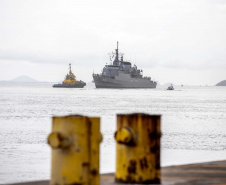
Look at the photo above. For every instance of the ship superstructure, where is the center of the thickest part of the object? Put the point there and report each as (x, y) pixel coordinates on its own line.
(70, 81)
(121, 74)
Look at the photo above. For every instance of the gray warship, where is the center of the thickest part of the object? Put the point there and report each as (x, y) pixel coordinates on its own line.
(122, 75)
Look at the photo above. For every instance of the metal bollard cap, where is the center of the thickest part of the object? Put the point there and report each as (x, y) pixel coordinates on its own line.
(57, 140)
(124, 135)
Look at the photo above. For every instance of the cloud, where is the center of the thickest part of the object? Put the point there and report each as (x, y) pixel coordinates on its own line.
(171, 34)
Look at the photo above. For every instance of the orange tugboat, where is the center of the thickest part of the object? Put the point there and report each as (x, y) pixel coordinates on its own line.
(70, 81)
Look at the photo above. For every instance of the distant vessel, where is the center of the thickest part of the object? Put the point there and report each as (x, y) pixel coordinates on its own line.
(170, 87)
(121, 75)
(70, 81)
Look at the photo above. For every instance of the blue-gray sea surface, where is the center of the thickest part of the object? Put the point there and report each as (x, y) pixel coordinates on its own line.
(193, 123)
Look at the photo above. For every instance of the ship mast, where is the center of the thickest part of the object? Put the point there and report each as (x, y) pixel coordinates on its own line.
(116, 61)
(117, 52)
(70, 68)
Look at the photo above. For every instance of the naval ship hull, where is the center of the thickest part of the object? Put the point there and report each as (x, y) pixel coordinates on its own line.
(106, 82)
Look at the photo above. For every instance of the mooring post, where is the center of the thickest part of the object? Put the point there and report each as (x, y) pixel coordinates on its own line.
(138, 148)
(75, 144)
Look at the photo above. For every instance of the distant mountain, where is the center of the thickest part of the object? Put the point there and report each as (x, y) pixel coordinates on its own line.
(23, 79)
(222, 83)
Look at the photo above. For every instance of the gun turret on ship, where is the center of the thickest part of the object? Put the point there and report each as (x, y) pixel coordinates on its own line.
(70, 81)
(121, 74)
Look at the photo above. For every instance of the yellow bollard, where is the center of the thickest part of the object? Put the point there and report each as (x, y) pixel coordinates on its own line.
(75, 150)
(138, 148)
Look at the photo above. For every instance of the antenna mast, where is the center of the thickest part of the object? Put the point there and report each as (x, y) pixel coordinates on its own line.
(117, 52)
(70, 68)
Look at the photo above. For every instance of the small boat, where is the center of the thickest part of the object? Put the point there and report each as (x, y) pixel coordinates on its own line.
(70, 81)
(170, 87)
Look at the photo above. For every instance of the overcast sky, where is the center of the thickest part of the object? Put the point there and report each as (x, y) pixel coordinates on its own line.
(178, 41)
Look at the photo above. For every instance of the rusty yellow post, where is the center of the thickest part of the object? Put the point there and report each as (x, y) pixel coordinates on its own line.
(138, 148)
(75, 150)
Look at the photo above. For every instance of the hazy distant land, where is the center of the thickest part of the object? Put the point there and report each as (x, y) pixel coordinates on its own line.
(23, 79)
(27, 79)
(222, 83)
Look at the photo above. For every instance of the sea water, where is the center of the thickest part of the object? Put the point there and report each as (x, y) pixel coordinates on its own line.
(193, 123)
